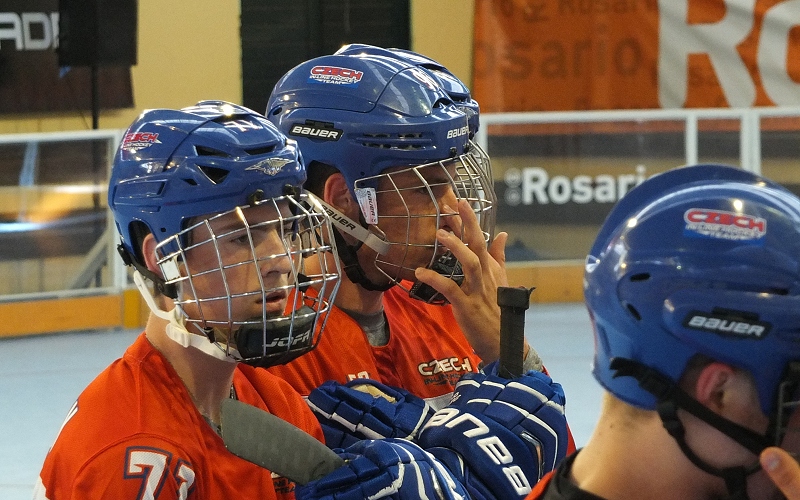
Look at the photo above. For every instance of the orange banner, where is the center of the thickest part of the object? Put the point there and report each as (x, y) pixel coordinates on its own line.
(547, 55)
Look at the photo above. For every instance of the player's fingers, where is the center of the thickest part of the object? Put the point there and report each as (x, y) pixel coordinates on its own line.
(497, 249)
(473, 236)
(470, 263)
(441, 284)
(783, 470)
(452, 218)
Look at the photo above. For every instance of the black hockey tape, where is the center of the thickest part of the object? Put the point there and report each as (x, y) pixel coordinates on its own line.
(275, 444)
(513, 302)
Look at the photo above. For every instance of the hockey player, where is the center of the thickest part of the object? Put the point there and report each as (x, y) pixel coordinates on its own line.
(209, 205)
(386, 137)
(693, 288)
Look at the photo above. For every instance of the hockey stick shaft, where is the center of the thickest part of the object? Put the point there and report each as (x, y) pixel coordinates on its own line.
(513, 302)
(275, 444)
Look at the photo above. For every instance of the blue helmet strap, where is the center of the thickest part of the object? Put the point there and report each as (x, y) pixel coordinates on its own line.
(670, 398)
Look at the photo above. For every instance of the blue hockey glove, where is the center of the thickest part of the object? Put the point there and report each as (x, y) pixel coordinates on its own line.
(365, 409)
(500, 436)
(390, 468)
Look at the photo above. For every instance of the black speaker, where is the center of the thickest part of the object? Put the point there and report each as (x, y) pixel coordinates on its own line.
(97, 32)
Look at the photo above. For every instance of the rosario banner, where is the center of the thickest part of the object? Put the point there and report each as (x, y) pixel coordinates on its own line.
(548, 55)
(30, 78)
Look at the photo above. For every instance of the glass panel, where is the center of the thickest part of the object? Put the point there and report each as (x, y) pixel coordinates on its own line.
(557, 182)
(53, 214)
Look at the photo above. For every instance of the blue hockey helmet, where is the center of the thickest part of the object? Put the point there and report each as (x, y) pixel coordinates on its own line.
(221, 178)
(449, 82)
(363, 113)
(697, 260)
(173, 165)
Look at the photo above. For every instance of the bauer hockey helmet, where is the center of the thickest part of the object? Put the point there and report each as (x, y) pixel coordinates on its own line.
(450, 83)
(698, 260)
(363, 113)
(178, 174)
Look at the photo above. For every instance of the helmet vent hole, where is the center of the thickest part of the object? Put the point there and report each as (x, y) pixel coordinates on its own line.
(408, 141)
(640, 277)
(633, 311)
(215, 175)
(260, 151)
(206, 151)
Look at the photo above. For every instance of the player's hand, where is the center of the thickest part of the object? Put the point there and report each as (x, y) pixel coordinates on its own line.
(391, 468)
(506, 433)
(475, 301)
(365, 409)
(784, 471)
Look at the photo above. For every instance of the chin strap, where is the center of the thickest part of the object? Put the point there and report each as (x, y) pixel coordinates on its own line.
(176, 329)
(670, 398)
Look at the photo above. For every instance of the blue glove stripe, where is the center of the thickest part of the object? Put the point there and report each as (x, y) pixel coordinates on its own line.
(391, 468)
(438, 474)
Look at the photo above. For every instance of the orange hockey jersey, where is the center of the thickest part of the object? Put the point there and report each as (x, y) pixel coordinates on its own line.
(426, 353)
(134, 433)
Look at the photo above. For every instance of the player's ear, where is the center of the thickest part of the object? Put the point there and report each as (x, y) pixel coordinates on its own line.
(337, 194)
(149, 254)
(714, 383)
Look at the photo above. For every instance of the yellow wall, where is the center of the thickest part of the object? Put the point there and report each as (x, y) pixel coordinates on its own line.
(442, 30)
(188, 50)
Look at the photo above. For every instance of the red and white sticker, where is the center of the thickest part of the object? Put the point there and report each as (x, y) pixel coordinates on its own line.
(139, 140)
(335, 75)
(724, 225)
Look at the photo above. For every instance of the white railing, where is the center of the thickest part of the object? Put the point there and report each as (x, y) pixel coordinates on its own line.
(749, 118)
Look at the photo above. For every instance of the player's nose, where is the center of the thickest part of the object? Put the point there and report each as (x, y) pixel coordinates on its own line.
(274, 254)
